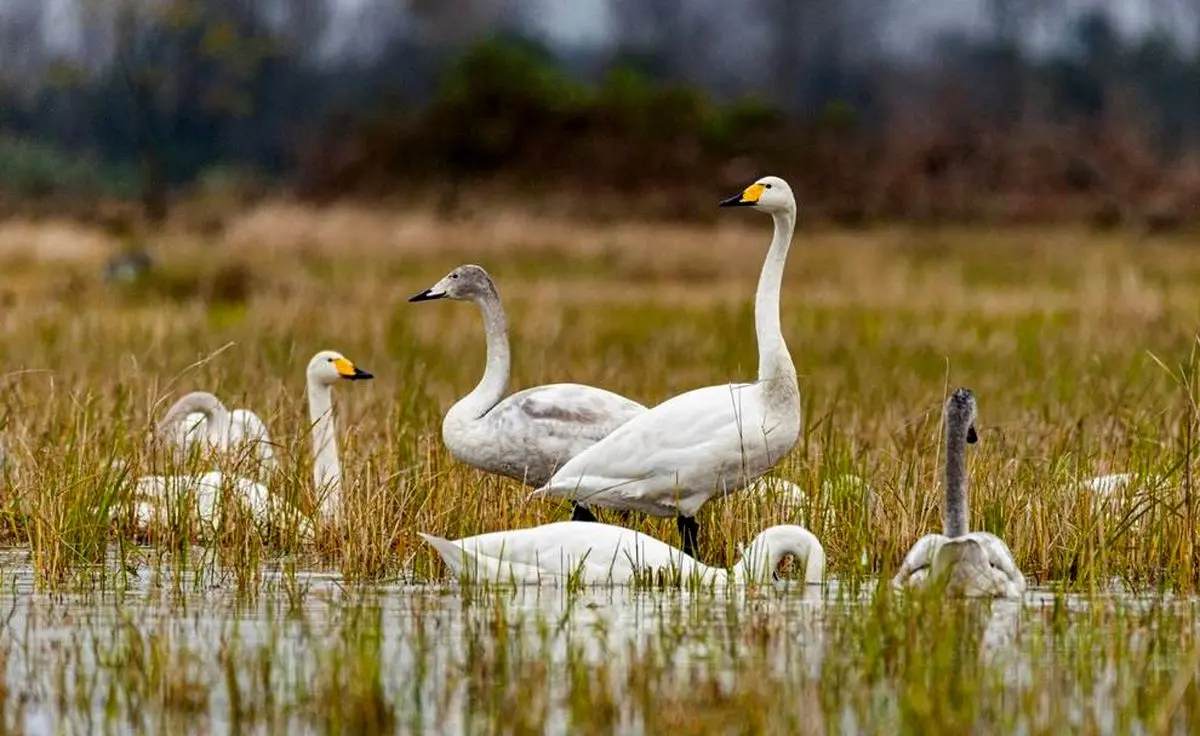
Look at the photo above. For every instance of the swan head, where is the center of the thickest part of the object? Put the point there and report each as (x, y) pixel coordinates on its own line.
(329, 366)
(760, 559)
(770, 194)
(960, 413)
(466, 283)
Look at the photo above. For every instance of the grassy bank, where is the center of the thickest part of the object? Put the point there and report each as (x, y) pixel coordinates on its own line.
(1081, 349)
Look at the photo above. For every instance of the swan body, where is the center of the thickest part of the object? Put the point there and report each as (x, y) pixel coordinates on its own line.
(1113, 485)
(205, 494)
(531, 433)
(972, 564)
(793, 498)
(200, 419)
(202, 497)
(599, 554)
(977, 564)
(709, 442)
(1107, 485)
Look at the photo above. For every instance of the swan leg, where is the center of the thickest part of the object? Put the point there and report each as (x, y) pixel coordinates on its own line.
(582, 513)
(689, 532)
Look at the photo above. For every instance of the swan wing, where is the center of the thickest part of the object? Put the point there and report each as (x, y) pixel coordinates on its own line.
(246, 426)
(587, 551)
(914, 571)
(1004, 568)
(190, 430)
(677, 455)
(531, 433)
(569, 415)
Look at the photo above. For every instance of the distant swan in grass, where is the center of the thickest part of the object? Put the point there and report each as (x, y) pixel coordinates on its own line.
(793, 498)
(594, 553)
(971, 563)
(203, 493)
(529, 434)
(199, 418)
(1113, 485)
(711, 441)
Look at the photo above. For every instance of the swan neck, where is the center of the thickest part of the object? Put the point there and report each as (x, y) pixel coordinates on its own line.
(327, 468)
(205, 403)
(490, 389)
(768, 549)
(955, 522)
(774, 361)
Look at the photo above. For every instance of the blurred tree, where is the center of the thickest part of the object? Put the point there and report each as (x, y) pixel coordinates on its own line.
(22, 52)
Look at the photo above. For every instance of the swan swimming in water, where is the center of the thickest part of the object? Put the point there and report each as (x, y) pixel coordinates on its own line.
(975, 564)
(529, 434)
(592, 553)
(204, 493)
(708, 442)
(200, 419)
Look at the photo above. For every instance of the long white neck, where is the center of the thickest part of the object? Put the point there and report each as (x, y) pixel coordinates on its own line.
(205, 403)
(955, 522)
(327, 468)
(763, 555)
(774, 361)
(490, 389)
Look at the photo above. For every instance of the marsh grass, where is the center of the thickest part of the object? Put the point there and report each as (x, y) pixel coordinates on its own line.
(1081, 347)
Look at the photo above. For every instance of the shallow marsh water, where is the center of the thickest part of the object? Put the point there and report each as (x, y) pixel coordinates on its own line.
(305, 653)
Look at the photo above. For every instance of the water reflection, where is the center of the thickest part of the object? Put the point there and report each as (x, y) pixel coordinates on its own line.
(456, 659)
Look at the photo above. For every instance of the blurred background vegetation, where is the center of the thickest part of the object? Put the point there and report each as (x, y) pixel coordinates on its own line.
(1025, 110)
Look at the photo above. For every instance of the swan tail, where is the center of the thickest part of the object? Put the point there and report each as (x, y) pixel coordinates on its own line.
(453, 555)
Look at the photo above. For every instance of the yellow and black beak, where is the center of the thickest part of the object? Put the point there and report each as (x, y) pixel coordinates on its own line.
(427, 295)
(972, 437)
(349, 371)
(748, 198)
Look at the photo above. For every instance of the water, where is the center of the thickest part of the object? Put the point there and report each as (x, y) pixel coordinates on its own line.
(309, 654)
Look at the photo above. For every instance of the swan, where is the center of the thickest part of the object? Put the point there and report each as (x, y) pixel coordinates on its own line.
(594, 553)
(529, 434)
(199, 418)
(976, 564)
(153, 495)
(794, 499)
(708, 442)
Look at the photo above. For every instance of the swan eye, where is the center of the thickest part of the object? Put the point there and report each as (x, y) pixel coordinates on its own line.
(453, 275)
(768, 186)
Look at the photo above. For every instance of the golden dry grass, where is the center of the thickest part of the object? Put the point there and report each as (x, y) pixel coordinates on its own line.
(1080, 347)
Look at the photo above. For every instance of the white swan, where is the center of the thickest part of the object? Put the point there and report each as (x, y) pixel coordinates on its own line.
(202, 495)
(594, 553)
(970, 564)
(532, 432)
(199, 418)
(711, 441)
(794, 499)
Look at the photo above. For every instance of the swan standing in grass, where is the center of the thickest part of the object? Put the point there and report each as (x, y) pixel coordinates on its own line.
(711, 441)
(199, 418)
(153, 494)
(971, 563)
(529, 434)
(594, 553)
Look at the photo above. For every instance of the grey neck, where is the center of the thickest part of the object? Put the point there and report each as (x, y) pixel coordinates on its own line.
(955, 523)
(490, 389)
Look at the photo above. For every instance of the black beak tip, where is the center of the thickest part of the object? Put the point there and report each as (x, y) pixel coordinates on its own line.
(734, 201)
(424, 296)
(972, 436)
(361, 375)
